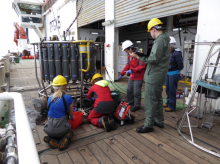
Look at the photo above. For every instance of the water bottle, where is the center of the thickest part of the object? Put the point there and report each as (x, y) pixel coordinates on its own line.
(186, 91)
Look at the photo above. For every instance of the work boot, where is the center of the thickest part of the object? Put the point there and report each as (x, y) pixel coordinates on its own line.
(169, 110)
(112, 122)
(165, 105)
(63, 143)
(53, 143)
(105, 123)
(46, 139)
(135, 108)
(69, 134)
(144, 129)
(158, 125)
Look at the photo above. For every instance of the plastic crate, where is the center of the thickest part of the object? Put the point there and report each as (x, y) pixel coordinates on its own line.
(77, 120)
(116, 97)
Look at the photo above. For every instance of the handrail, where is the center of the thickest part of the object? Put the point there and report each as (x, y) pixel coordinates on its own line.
(24, 135)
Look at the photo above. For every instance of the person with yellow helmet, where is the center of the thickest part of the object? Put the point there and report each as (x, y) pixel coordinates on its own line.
(155, 76)
(60, 110)
(104, 106)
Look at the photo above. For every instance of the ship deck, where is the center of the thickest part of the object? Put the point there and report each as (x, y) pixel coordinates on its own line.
(90, 144)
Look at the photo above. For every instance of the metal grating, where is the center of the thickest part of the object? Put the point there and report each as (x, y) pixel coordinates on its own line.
(92, 11)
(130, 12)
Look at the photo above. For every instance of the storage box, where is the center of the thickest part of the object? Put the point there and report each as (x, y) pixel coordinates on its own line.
(77, 120)
(116, 97)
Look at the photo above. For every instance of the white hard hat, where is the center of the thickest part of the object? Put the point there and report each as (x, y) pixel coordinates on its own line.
(172, 40)
(126, 44)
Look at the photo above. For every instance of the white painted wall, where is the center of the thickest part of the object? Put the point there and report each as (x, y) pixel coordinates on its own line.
(207, 30)
(110, 39)
(85, 34)
(67, 15)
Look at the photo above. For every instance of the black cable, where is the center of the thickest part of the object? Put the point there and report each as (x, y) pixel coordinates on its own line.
(76, 16)
(176, 33)
(112, 80)
(190, 31)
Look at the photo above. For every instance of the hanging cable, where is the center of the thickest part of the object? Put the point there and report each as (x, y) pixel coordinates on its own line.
(190, 31)
(67, 30)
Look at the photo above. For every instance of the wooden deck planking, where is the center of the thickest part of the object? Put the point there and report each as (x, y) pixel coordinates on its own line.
(50, 159)
(178, 140)
(115, 158)
(99, 154)
(148, 151)
(87, 155)
(137, 152)
(177, 147)
(76, 156)
(64, 158)
(198, 133)
(164, 154)
(122, 151)
(169, 149)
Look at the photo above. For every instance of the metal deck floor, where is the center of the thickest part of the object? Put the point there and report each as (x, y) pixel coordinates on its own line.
(93, 145)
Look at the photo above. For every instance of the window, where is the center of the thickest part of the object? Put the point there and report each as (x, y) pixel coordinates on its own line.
(30, 9)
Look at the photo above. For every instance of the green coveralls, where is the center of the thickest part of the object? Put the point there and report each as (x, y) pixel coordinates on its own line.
(155, 77)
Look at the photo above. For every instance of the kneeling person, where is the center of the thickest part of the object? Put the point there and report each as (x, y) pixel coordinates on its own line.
(101, 114)
(60, 108)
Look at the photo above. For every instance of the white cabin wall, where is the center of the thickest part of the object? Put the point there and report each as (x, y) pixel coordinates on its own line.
(207, 30)
(85, 34)
(110, 36)
(67, 14)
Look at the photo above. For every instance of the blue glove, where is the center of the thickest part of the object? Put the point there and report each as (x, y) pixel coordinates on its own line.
(129, 71)
(72, 118)
(119, 78)
(92, 99)
(74, 109)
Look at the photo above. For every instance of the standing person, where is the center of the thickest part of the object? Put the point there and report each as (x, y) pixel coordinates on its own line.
(173, 76)
(136, 69)
(104, 106)
(155, 76)
(60, 109)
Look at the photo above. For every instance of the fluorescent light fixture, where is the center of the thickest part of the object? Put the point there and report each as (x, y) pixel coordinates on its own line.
(96, 44)
(138, 41)
(94, 33)
(176, 29)
(108, 22)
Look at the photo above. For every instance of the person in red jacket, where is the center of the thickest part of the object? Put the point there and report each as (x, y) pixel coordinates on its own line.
(136, 69)
(104, 106)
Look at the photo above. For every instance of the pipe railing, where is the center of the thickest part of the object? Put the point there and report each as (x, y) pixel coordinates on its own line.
(27, 152)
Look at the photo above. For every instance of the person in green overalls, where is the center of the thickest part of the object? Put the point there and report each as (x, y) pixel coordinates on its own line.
(155, 76)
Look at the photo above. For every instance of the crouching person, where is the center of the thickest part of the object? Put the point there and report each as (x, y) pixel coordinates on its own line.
(60, 109)
(104, 106)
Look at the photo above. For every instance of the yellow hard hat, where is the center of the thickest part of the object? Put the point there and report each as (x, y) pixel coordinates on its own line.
(59, 80)
(153, 22)
(97, 75)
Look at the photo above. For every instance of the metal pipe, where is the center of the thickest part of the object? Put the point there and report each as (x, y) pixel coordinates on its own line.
(10, 151)
(35, 64)
(101, 58)
(79, 41)
(22, 127)
(88, 58)
(81, 89)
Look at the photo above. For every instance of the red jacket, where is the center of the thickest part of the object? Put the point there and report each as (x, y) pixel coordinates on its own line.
(102, 95)
(137, 67)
